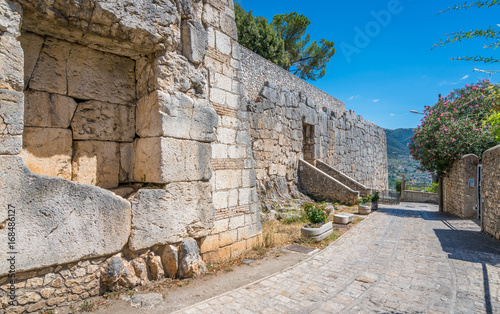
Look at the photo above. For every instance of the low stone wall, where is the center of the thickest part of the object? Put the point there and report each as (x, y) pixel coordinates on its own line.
(419, 197)
(347, 181)
(319, 184)
(490, 192)
(459, 198)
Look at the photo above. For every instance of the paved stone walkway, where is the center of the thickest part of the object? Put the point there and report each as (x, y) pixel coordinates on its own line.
(402, 259)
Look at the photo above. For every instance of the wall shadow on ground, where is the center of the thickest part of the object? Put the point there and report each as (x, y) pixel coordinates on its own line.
(460, 244)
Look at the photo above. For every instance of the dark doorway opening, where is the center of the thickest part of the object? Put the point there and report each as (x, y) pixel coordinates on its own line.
(308, 142)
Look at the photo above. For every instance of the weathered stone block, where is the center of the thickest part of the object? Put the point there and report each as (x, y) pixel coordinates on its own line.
(102, 76)
(223, 42)
(42, 109)
(127, 162)
(190, 262)
(164, 160)
(11, 112)
(227, 179)
(70, 221)
(51, 68)
(48, 151)
(210, 243)
(96, 120)
(10, 17)
(177, 115)
(166, 216)
(170, 260)
(194, 41)
(228, 237)
(32, 45)
(11, 63)
(96, 163)
(11, 144)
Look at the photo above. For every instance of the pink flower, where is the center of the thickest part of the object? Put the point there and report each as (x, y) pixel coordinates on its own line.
(453, 139)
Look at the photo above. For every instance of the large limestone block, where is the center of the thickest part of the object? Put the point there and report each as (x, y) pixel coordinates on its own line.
(11, 112)
(11, 122)
(11, 144)
(102, 76)
(42, 109)
(51, 68)
(176, 115)
(11, 63)
(165, 160)
(48, 151)
(182, 209)
(10, 17)
(194, 41)
(103, 121)
(127, 162)
(58, 221)
(32, 45)
(96, 163)
(190, 262)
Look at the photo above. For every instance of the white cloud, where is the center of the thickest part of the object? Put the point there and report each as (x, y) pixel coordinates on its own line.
(392, 114)
(376, 100)
(465, 77)
(353, 97)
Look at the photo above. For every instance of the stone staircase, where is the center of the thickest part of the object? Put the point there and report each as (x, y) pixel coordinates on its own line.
(327, 183)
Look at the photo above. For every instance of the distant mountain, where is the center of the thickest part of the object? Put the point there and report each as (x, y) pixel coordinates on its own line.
(397, 141)
(400, 161)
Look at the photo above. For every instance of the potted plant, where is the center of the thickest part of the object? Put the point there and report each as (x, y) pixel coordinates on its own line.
(364, 205)
(375, 198)
(318, 228)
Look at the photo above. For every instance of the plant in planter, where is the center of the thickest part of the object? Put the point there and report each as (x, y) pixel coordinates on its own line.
(364, 205)
(375, 198)
(318, 228)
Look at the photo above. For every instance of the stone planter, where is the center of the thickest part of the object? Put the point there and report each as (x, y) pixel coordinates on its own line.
(364, 209)
(318, 234)
(343, 218)
(374, 206)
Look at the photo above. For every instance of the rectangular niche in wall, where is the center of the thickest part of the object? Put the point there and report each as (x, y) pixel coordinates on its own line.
(308, 142)
(79, 111)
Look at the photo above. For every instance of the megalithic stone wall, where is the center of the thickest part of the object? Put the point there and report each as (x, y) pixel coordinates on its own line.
(291, 120)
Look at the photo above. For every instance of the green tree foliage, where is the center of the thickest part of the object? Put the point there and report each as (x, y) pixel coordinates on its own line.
(304, 59)
(490, 34)
(285, 42)
(454, 127)
(256, 34)
(494, 119)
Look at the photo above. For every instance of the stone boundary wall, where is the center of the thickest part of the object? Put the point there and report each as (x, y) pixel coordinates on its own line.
(257, 71)
(458, 198)
(490, 192)
(322, 186)
(419, 197)
(339, 176)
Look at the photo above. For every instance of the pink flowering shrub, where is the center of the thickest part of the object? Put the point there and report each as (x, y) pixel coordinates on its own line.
(454, 127)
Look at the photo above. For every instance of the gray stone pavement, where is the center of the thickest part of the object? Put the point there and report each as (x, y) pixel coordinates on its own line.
(407, 258)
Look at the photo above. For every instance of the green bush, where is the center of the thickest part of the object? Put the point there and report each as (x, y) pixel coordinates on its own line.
(375, 197)
(433, 188)
(316, 213)
(398, 186)
(365, 200)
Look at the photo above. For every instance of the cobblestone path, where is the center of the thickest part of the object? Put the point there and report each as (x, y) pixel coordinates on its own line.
(402, 259)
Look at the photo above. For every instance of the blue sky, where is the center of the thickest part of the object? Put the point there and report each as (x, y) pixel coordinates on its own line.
(394, 69)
